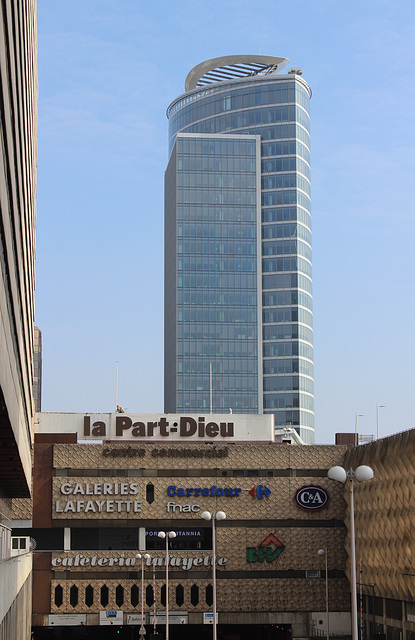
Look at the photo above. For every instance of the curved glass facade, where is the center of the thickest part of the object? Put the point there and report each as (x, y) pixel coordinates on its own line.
(238, 313)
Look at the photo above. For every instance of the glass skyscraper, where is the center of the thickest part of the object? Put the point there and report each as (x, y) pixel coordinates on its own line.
(238, 297)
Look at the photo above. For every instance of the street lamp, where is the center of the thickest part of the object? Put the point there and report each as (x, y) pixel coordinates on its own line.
(323, 552)
(167, 535)
(219, 515)
(356, 438)
(378, 406)
(341, 475)
(142, 557)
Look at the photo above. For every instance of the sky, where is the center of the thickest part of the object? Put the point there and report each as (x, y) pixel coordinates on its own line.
(108, 69)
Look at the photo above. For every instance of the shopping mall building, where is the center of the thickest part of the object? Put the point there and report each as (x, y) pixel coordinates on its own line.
(105, 485)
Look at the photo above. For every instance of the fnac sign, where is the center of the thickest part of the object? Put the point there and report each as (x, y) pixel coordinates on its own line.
(311, 498)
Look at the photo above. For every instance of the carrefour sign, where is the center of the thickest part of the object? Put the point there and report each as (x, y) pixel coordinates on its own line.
(311, 498)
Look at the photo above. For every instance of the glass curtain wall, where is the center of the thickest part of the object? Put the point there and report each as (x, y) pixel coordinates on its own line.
(276, 108)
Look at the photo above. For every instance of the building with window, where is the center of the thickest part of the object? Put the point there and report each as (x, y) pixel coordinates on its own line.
(106, 484)
(238, 298)
(18, 151)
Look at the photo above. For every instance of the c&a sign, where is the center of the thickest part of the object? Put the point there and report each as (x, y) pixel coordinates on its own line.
(311, 498)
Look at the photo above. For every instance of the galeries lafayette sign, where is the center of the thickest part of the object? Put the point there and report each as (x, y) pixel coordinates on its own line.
(166, 428)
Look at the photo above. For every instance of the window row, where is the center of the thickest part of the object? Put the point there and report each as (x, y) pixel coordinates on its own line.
(283, 230)
(289, 417)
(216, 298)
(200, 366)
(286, 147)
(130, 597)
(288, 365)
(281, 247)
(281, 349)
(216, 180)
(226, 349)
(216, 146)
(264, 90)
(213, 214)
(286, 164)
(228, 383)
(200, 250)
(293, 314)
(207, 196)
(218, 264)
(241, 118)
(217, 280)
(217, 315)
(280, 298)
(287, 281)
(228, 230)
(287, 263)
(209, 164)
(271, 198)
(211, 332)
(286, 181)
(288, 401)
(288, 383)
(286, 214)
(240, 403)
(287, 332)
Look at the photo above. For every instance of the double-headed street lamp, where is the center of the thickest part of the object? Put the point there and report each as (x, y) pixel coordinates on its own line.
(219, 515)
(167, 535)
(341, 475)
(143, 557)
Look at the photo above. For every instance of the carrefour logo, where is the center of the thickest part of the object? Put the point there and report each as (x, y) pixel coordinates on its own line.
(311, 498)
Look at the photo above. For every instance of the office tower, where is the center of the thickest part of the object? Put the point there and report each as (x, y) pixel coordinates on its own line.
(18, 122)
(238, 298)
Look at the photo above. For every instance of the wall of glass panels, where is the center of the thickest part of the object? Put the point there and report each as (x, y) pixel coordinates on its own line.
(217, 311)
(277, 109)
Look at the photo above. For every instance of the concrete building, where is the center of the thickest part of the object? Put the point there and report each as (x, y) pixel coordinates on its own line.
(18, 122)
(106, 484)
(238, 296)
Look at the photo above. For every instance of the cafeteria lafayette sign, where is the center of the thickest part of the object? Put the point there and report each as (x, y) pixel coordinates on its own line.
(79, 560)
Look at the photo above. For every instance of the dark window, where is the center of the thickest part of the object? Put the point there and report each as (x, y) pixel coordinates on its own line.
(58, 595)
(150, 493)
(119, 595)
(89, 596)
(194, 595)
(104, 595)
(134, 595)
(73, 595)
(393, 609)
(179, 595)
(163, 595)
(149, 596)
(209, 595)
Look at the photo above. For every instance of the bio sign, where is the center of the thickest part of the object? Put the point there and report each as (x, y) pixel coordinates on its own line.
(311, 498)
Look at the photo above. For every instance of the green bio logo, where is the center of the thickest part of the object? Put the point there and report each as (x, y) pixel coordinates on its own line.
(268, 550)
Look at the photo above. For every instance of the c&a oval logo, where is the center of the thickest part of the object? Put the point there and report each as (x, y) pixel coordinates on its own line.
(311, 498)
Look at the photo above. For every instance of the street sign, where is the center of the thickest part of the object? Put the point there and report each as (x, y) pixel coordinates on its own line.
(175, 617)
(112, 617)
(208, 618)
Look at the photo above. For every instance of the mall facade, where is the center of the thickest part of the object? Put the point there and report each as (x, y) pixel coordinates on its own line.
(105, 485)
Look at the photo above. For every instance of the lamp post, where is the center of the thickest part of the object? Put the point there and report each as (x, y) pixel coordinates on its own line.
(219, 515)
(323, 552)
(167, 535)
(142, 557)
(341, 475)
(356, 438)
(378, 406)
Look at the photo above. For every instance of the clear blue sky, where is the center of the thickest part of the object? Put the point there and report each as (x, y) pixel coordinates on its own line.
(107, 71)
